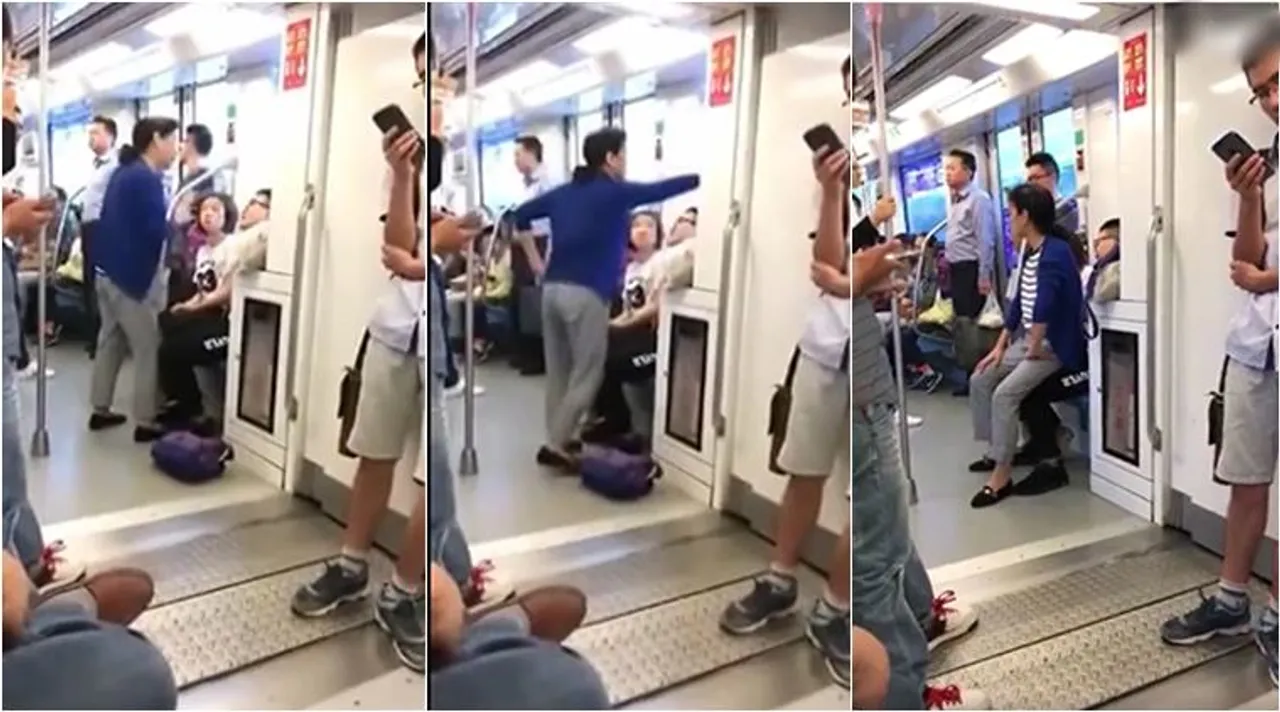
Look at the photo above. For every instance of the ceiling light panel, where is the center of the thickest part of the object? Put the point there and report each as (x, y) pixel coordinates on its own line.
(1022, 44)
(664, 10)
(517, 80)
(109, 54)
(946, 89)
(1075, 11)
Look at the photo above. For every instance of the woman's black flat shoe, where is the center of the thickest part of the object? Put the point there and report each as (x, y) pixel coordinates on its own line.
(986, 464)
(987, 496)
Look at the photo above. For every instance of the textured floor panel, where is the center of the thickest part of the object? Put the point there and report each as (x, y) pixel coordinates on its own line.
(1036, 613)
(832, 698)
(656, 648)
(1093, 665)
(235, 627)
(396, 690)
(665, 573)
(213, 561)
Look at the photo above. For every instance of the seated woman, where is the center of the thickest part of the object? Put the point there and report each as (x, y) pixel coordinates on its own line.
(194, 332)
(633, 337)
(518, 644)
(1043, 333)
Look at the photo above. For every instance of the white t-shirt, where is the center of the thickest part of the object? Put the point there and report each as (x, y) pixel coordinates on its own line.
(1254, 328)
(400, 313)
(215, 264)
(639, 283)
(828, 330)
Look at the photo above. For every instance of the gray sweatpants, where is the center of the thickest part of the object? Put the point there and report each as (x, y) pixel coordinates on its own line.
(575, 342)
(995, 394)
(129, 327)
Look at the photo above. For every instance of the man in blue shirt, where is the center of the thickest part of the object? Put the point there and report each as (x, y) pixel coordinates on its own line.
(973, 232)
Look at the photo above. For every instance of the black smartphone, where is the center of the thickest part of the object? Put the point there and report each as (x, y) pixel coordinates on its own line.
(823, 136)
(392, 118)
(1232, 144)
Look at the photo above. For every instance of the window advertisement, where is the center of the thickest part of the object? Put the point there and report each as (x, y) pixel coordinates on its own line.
(924, 193)
(1011, 158)
(1058, 133)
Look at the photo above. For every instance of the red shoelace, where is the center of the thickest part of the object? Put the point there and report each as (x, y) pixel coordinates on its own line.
(938, 698)
(480, 577)
(942, 605)
(50, 556)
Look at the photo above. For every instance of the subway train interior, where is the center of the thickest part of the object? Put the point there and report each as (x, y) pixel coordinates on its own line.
(1070, 586)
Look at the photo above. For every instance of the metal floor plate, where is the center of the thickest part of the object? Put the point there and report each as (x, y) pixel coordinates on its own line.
(665, 573)
(663, 646)
(1092, 665)
(213, 561)
(1040, 612)
(226, 630)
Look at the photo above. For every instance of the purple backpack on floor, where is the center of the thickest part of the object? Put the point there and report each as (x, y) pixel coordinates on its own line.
(189, 458)
(617, 475)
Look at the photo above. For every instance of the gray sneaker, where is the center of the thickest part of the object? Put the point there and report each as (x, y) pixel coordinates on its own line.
(832, 636)
(402, 617)
(337, 585)
(772, 596)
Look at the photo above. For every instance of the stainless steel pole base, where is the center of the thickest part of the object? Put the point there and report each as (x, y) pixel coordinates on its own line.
(468, 464)
(40, 443)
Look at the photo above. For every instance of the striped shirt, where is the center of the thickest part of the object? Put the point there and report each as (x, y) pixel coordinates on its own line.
(869, 371)
(1028, 279)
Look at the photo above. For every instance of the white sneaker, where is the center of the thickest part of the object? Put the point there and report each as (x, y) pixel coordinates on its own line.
(951, 619)
(913, 421)
(60, 572)
(32, 369)
(953, 697)
(459, 388)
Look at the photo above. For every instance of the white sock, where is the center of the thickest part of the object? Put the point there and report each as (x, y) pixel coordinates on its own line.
(784, 577)
(353, 560)
(1233, 595)
(399, 586)
(829, 598)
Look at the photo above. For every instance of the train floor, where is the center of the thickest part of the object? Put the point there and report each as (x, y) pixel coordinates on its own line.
(1067, 626)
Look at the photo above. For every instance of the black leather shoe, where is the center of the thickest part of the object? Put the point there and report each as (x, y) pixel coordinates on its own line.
(988, 497)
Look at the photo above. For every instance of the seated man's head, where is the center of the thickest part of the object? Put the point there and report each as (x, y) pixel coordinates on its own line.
(258, 210)
(1108, 239)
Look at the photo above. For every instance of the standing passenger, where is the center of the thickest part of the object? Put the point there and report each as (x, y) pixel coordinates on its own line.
(1250, 431)
(973, 234)
(102, 141)
(529, 262)
(590, 220)
(132, 234)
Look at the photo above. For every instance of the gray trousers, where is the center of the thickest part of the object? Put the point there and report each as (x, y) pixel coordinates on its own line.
(995, 394)
(129, 327)
(575, 343)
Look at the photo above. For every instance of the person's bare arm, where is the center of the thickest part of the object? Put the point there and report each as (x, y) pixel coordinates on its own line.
(17, 595)
(870, 671)
(830, 246)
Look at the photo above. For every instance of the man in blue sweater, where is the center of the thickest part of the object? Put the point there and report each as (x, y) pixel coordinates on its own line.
(131, 238)
(590, 223)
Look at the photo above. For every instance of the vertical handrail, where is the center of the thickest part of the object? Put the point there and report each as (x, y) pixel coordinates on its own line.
(722, 310)
(1154, 435)
(295, 302)
(469, 464)
(40, 437)
(875, 17)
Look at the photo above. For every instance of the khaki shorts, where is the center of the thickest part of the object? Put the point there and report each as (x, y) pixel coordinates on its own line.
(817, 435)
(1250, 427)
(389, 414)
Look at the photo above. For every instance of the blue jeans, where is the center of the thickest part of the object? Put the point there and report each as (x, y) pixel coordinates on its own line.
(501, 667)
(21, 528)
(68, 660)
(891, 594)
(448, 545)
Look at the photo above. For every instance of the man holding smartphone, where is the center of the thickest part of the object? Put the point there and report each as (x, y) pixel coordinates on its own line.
(389, 415)
(1250, 449)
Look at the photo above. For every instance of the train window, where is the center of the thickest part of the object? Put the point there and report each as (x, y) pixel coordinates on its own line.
(1011, 157)
(259, 357)
(1059, 139)
(643, 123)
(686, 380)
(924, 193)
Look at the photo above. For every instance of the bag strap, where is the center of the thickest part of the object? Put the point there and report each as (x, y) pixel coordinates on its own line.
(791, 367)
(360, 352)
(1222, 379)
(1091, 326)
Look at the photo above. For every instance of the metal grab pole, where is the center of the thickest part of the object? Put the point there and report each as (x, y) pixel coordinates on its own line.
(40, 438)
(470, 464)
(875, 17)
